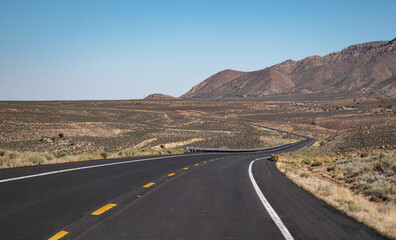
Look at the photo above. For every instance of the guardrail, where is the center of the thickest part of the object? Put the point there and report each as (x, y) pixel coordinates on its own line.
(200, 149)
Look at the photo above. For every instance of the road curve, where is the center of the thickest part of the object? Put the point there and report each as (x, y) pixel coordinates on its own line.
(190, 196)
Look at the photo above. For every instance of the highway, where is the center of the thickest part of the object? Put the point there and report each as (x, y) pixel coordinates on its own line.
(188, 196)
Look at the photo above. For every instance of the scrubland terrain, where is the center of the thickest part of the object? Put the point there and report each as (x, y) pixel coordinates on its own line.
(52, 132)
(71, 128)
(352, 166)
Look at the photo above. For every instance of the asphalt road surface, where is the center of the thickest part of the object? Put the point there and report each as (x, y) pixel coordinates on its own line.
(189, 196)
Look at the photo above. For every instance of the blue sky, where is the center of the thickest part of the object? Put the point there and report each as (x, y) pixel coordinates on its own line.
(119, 49)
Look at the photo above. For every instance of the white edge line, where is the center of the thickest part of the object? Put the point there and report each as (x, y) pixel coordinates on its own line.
(268, 207)
(92, 166)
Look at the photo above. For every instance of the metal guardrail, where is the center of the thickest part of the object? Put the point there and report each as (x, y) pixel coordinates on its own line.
(200, 149)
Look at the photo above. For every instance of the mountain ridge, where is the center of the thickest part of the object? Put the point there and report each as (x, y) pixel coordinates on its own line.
(361, 69)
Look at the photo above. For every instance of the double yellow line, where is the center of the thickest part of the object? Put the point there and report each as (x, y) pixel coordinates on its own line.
(97, 212)
(109, 206)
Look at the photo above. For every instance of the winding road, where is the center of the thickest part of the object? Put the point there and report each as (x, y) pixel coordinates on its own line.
(188, 196)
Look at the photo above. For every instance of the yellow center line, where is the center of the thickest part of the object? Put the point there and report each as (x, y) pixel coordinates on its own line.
(185, 168)
(149, 185)
(59, 235)
(205, 162)
(171, 174)
(196, 164)
(103, 209)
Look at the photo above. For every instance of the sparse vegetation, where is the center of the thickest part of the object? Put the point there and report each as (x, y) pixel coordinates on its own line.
(62, 153)
(304, 175)
(363, 185)
(36, 159)
(306, 161)
(316, 163)
(19, 159)
(103, 155)
(352, 165)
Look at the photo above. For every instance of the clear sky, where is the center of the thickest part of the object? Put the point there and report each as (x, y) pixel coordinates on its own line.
(124, 49)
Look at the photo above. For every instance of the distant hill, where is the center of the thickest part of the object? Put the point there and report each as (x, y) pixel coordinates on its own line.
(362, 69)
(212, 83)
(158, 96)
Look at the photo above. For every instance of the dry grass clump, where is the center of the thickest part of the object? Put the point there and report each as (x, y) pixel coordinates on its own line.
(361, 185)
(372, 174)
(9, 159)
(381, 217)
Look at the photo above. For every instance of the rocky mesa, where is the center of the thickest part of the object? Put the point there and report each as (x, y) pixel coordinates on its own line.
(158, 96)
(362, 69)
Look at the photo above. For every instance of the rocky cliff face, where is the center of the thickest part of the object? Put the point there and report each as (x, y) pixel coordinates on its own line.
(361, 69)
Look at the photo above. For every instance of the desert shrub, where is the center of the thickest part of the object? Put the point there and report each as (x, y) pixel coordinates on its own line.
(162, 146)
(103, 155)
(352, 170)
(363, 155)
(326, 159)
(331, 167)
(393, 168)
(288, 168)
(326, 190)
(370, 178)
(304, 175)
(338, 174)
(316, 163)
(386, 208)
(382, 165)
(306, 161)
(4, 161)
(48, 156)
(62, 153)
(323, 189)
(12, 155)
(353, 207)
(366, 168)
(120, 153)
(379, 190)
(2, 152)
(61, 135)
(53, 139)
(36, 159)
